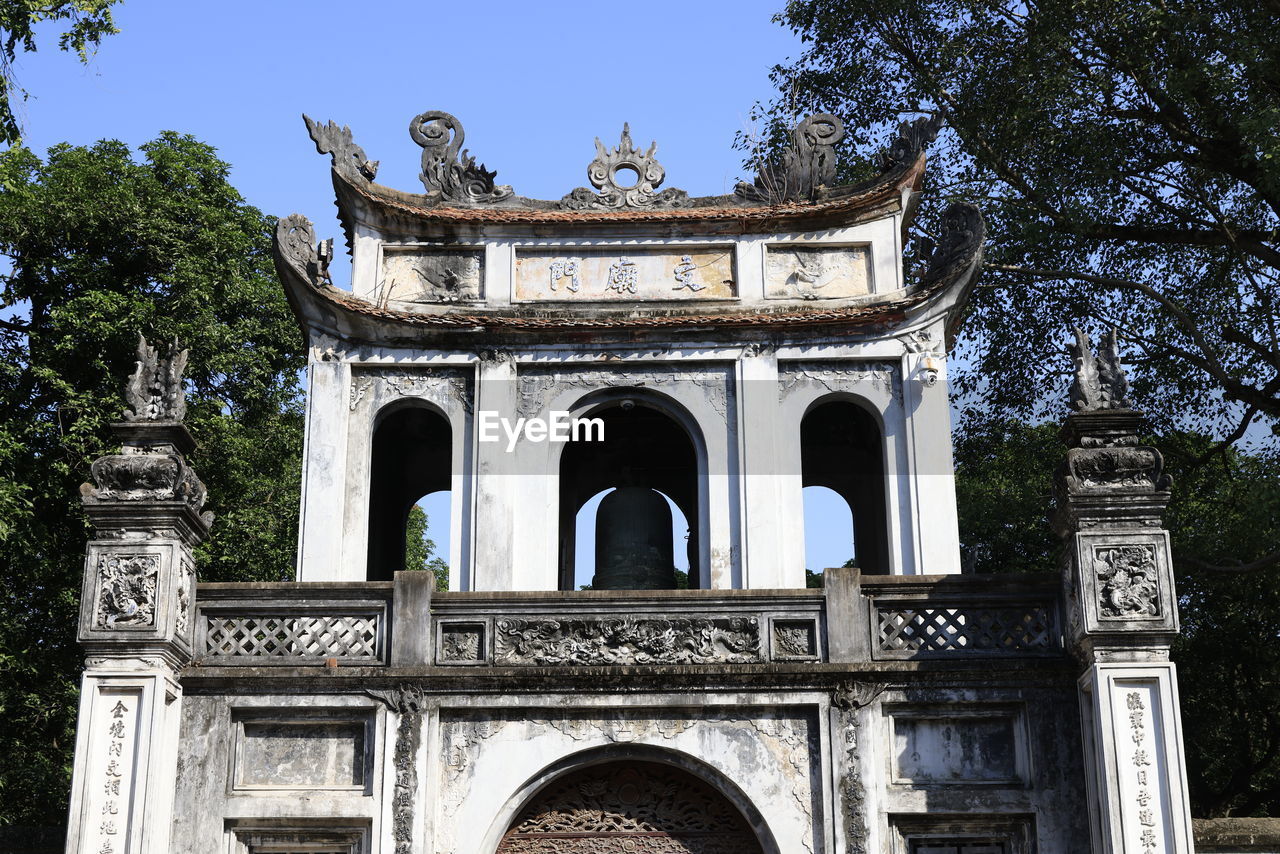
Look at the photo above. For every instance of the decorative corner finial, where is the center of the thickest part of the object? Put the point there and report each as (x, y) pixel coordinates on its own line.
(1099, 382)
(447, 168)
(636, 186)
(806, 166)
(959, 244)
(349, 159)
(155, 390)
(295, 245)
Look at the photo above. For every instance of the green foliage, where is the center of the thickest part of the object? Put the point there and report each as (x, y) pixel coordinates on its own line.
(420, 550)
(100, 246)
(1229, 651)
(1004, 492)
(1125, 155)
(89, 21)
(814, 580)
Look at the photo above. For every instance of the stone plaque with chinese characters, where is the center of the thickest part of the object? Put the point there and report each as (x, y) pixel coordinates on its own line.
(626, 274)
(444, 275)
(817, 272)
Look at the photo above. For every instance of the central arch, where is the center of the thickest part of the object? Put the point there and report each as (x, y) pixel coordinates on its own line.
(629, 805)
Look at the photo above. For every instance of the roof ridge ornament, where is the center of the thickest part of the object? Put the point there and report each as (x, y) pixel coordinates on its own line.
(1099, 382)
(806, 166)
(349, 159)
(616, 191)
(447, 168)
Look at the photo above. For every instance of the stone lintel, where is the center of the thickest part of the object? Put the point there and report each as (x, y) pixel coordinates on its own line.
(163, 436)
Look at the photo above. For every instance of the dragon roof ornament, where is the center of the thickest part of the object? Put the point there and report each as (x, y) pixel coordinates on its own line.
(447, 168)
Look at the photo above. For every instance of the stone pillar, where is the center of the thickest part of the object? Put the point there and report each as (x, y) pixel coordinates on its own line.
(1122, 617)
(136, 612)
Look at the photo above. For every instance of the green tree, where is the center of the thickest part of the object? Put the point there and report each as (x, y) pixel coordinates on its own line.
(89, 21)
(1228, 655)
(1125, 154)
(420, 549)
(100, 245)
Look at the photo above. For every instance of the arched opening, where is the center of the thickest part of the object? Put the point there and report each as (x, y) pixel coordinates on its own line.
(828, 532)
(629, 806)
(841, 448)
(585, 523)
(646, 458)
(412, 457)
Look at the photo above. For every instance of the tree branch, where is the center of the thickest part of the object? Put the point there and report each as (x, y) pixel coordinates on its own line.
(1261, 563)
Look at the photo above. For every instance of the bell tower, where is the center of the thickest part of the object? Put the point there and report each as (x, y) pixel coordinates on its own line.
(732, 350)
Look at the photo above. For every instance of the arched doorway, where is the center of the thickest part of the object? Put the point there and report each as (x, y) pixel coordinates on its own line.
(637, 807)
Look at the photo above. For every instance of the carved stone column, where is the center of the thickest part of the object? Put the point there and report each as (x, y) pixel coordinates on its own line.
(1122, 616)
(136, 609)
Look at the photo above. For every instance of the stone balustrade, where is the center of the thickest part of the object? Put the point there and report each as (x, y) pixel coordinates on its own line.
(405, 623)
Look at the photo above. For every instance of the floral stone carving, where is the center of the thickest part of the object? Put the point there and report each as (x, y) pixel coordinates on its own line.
(1127, 581)
(627, 641)
(1118, 467)
(127, 591)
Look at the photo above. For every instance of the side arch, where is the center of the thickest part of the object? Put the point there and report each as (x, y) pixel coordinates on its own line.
(618, 779)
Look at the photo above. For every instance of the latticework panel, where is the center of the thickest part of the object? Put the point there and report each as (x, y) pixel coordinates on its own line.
(288, 637)
(926, 629)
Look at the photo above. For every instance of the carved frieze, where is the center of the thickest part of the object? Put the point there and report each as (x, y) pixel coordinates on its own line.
(538, 387)
(127, 591)
(1128, 581)
(447, 169)
(839, 376)
(626, 177)
(630, 273)
(146, 477)
(431, 275)
(817, 272)
(434, 385)
(545, 642)
(1117, 467)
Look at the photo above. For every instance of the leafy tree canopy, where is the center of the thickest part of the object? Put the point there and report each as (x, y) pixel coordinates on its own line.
(88, 20)
(99, 246)
(420, 549)
(1126, 156)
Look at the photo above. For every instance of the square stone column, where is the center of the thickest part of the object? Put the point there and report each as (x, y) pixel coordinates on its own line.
(1122, 616)
(136, 610)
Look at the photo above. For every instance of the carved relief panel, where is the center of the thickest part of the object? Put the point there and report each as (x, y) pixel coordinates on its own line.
(433, 275)
(1124, 582)
(817, 272)
(625, 274)
(136, 592)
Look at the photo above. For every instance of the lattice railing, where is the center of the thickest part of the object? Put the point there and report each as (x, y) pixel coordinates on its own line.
(921, 628)
(230, 638)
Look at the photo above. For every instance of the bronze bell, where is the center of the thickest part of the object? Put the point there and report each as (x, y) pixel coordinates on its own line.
(633, 541)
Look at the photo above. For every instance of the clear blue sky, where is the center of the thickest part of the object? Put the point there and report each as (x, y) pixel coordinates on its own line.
(532, 82)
